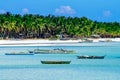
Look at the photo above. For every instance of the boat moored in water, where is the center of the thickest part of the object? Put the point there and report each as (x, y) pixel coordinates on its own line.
(54, 51)
(19, 53)
(90, 57)
(55, 62)
(86, 41)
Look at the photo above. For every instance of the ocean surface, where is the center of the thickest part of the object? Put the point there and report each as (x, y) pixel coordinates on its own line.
(29, 67)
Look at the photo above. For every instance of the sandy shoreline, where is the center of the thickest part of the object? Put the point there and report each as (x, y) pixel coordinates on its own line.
(44, 42)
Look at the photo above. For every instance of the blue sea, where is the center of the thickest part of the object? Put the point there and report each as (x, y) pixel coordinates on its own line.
(29, 67)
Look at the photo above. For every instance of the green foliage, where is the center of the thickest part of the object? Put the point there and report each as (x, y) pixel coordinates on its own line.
(38, 26)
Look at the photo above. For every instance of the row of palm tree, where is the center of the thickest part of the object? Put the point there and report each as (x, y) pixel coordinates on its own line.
(39, 26)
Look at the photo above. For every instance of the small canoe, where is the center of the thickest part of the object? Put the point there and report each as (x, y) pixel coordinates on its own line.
(90, 57)
(55, 62)
(19, 53)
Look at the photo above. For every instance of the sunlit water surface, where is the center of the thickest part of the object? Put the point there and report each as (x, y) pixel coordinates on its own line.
(29, 67)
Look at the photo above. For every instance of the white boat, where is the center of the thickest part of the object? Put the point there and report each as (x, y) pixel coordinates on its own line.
(54, 51)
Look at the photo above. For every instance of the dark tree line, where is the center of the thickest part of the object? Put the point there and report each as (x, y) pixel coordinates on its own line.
(39, 26)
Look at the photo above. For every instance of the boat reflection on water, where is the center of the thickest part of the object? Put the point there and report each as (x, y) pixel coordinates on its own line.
(91, 57)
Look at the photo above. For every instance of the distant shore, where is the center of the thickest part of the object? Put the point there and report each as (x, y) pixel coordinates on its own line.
(46, 42)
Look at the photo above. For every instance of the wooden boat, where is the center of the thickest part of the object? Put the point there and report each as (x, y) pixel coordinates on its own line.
(105, 41)
(36, 51)
(90, 57)
(86, 41)
(54, 51)
(55, 62)
(19, 53)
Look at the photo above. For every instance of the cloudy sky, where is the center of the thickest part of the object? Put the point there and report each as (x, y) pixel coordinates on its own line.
(100, 10)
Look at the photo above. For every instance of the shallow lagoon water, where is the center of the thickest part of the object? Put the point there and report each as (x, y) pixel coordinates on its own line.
(29, 67)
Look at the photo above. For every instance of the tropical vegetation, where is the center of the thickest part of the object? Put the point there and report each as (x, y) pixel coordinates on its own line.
(39, 26)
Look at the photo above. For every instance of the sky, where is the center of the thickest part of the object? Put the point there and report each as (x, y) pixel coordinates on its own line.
(99, 10)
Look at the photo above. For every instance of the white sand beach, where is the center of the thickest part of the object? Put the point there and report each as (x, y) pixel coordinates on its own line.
(35, 42)
(45, 42)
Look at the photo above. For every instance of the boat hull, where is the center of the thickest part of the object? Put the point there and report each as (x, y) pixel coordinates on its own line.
(17, 54)
(90, 57)
(55, 51)
(55, 62)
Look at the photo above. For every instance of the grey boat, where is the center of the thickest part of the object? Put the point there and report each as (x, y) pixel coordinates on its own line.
(19, 53)
(54, 51)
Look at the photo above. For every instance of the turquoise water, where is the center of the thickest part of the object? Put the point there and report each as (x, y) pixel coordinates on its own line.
(29, 67)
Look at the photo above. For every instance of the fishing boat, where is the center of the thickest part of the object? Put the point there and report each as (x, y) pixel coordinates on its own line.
(19, 53)
(85, 41)
(39, 51)
(90, 57)
(54, 51)
(105, 40)
(55, 62)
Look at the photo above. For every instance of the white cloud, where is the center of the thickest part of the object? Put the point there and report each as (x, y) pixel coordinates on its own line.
(64, 10)
(2, 11)
(106, 13)
(25, 11)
